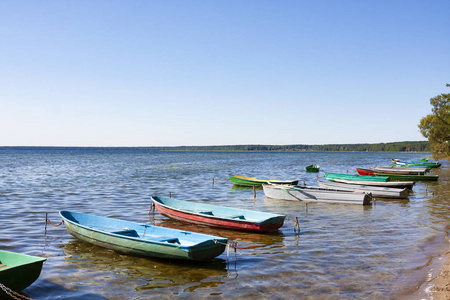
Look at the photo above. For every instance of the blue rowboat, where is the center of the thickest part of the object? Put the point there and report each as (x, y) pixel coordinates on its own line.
(18, 271)
(218, 216)
(142, 239)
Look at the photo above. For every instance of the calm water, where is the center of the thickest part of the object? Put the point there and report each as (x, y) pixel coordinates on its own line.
(342, 251)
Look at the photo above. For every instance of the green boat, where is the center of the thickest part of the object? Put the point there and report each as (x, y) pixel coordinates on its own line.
(333, 176)
(250, 181)
(427, 164)
(401, 177)
(18, 271)
(312, 168)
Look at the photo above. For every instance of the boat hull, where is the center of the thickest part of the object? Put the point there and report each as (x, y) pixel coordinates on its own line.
(19, 270)
(400, 171)
(396, 176)
(400, 177)
(417, 164)
(333, 176)
(215, 216)
(312, 168)
(145, 240)
(395, 184)
(378, 192)
(250, 181)
(311, 194)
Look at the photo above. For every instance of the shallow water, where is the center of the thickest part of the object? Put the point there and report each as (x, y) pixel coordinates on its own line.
(342, 251)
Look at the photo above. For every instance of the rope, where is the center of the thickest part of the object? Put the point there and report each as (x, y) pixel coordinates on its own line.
(47, 221)
(53, 224)
(13, 294)
(229, 246)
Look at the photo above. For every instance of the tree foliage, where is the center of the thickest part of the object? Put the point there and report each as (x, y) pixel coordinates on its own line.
(436, 126)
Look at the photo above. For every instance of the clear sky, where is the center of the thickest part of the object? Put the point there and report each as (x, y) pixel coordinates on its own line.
(170, 73)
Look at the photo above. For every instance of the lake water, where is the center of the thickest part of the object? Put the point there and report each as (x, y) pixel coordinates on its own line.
(342, 252)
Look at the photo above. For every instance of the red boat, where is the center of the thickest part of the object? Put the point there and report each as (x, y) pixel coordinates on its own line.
(365, 172)
(217, 216)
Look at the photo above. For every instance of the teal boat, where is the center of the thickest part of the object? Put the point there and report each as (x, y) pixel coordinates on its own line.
(18, 271)
(142, 239)
(312, 168)
(250, 181)
(333, 176)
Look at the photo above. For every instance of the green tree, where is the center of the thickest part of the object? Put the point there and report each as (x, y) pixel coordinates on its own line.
(436, 126)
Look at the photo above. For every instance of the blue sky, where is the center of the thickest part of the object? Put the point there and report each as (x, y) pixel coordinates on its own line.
(169, 73)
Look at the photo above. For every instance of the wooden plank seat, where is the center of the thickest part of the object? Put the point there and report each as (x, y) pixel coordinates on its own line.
(210, 213)
(169, 240)
(127, 232)
(238, 217)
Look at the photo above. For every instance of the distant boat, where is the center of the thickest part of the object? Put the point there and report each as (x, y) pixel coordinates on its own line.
(312, 168)
(392, 184)
(397, 170)
(142, 239)
(426, 164)
(218, 216)
(250, 181)
(333, 176)
(376, 191)
(18, 271)
(315, 194)
(397, 177)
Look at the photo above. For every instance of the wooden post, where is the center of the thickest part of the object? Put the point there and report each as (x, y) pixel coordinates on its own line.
(304, 183)
(254, 192)
(306, 207)
(46, 214)
(170, 194)
(213, 181)
(296, 225)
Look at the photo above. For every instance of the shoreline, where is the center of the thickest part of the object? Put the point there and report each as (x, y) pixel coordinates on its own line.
(438, 286)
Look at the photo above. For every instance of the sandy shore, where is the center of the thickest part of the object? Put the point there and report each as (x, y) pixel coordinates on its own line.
(437, 287)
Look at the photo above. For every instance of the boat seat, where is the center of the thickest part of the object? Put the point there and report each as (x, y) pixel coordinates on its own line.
(170, 240)
(238, 217)
(127, 232)
(207, 213)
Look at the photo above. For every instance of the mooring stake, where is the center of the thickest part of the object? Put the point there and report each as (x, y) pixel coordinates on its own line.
(296, 225)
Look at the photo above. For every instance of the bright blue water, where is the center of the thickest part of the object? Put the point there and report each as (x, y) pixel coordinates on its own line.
(342, 251)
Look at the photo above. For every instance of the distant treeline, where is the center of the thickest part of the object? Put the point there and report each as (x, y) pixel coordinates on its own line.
(380, 147)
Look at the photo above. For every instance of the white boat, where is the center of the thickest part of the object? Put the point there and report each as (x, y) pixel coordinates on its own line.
(400, 170)
(393, 184)
(376, 191)
(315, 194)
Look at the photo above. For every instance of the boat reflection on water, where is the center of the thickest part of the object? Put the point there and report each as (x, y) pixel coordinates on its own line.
(90, 265)
(245, 239)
